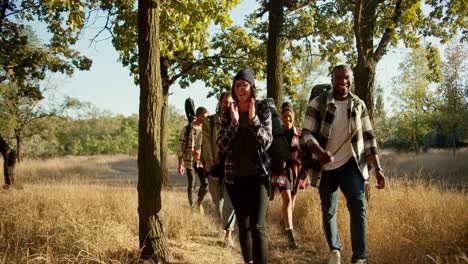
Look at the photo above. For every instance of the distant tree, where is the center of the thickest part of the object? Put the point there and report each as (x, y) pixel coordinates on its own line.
(178, 121)
(415, 103)
(19, 64)
(454, 93)
(22, 106)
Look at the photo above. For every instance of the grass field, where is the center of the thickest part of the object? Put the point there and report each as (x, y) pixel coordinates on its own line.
(84, 210)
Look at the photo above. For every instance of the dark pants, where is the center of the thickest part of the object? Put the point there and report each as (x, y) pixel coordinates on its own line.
(191, 184)
(249, 197)
(349, 179)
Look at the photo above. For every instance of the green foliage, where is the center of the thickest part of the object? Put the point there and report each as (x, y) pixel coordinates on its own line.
(452, 110)
(415, 103)
(93, 132)
(185, 48)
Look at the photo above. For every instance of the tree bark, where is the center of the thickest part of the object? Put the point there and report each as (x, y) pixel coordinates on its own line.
(151, 235)
(364, 75)
(9, 162)
(275, 52)
(364, 27)
(19, 141)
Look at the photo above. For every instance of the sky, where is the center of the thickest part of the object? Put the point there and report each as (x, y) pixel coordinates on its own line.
(109, 86)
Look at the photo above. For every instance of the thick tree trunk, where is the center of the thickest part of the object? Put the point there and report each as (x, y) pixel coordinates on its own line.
(364, 75)
(151, 235)
(275, 52)
(9, 162)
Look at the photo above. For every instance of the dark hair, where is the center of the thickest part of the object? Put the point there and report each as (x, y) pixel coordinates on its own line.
(287, 106)
(341, 67)
(221, 97)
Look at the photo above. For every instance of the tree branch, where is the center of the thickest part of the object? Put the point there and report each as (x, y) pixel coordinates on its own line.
(388, 32)
(107, 27)
(18, 11)
(293, 5)
(266, 8)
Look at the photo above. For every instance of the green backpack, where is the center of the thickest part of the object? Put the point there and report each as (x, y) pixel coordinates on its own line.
(279, 149)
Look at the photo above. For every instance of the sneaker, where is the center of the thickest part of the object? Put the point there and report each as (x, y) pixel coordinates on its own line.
(229, 242)
(360, 261)
(292, 244)
(335, 257)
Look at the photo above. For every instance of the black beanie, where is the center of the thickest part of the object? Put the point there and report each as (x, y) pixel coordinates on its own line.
(246, 74)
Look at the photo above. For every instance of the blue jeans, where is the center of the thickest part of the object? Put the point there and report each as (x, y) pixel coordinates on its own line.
(349, 179)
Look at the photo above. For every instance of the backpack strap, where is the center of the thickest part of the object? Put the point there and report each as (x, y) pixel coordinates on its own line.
(187, 134)
(322, 100)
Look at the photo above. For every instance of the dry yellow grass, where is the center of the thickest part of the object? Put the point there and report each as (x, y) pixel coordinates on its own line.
(71, 210)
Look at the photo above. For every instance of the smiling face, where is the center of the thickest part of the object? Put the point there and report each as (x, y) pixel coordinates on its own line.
(243, 91)
(342, 82)
(287, 119)
(224, 102)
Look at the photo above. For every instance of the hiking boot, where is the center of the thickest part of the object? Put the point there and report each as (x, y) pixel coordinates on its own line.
(360, 261)
(335, 257)
(229, 242)
(292, 244)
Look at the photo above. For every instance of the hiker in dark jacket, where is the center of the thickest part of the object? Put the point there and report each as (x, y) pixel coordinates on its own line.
(215, 169)
(188, 153)
(342, 143)
(245, 135)
(288, 182)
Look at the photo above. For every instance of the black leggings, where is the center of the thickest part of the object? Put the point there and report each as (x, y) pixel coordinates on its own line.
(249, 197)
(191, 184)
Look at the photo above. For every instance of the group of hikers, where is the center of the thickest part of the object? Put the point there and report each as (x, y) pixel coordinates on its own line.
(230, 153)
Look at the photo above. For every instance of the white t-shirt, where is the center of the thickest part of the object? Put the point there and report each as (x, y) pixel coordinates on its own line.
(340, 131)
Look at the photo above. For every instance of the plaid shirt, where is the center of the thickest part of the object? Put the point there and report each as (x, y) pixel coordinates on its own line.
(317, 131)
(194, 142)
(294, 162)
(263, 131)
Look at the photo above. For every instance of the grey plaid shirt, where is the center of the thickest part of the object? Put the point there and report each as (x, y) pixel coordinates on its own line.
(263, 131)
(317, 131)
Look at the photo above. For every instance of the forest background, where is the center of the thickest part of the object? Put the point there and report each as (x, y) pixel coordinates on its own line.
(413, 112)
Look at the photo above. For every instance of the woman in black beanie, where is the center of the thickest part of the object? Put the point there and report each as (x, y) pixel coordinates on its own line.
(244, 137)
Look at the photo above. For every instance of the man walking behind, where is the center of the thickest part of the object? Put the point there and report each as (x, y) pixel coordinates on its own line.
(188, 153)
(339, 134)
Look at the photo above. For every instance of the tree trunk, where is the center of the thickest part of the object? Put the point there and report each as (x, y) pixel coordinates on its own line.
(9, 162)
(151, 235)
(164, 128)
(364, 75)
(275, 52)
(19, 151)
(364, 27)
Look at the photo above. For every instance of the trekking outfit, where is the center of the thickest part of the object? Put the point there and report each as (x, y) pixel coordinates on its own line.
(190, 139)
(243, 147)
(344, 124)
(216, 187)
(246, 177)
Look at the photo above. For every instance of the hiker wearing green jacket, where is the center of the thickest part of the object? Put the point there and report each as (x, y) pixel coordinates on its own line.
(214, 168)
(339, 134)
